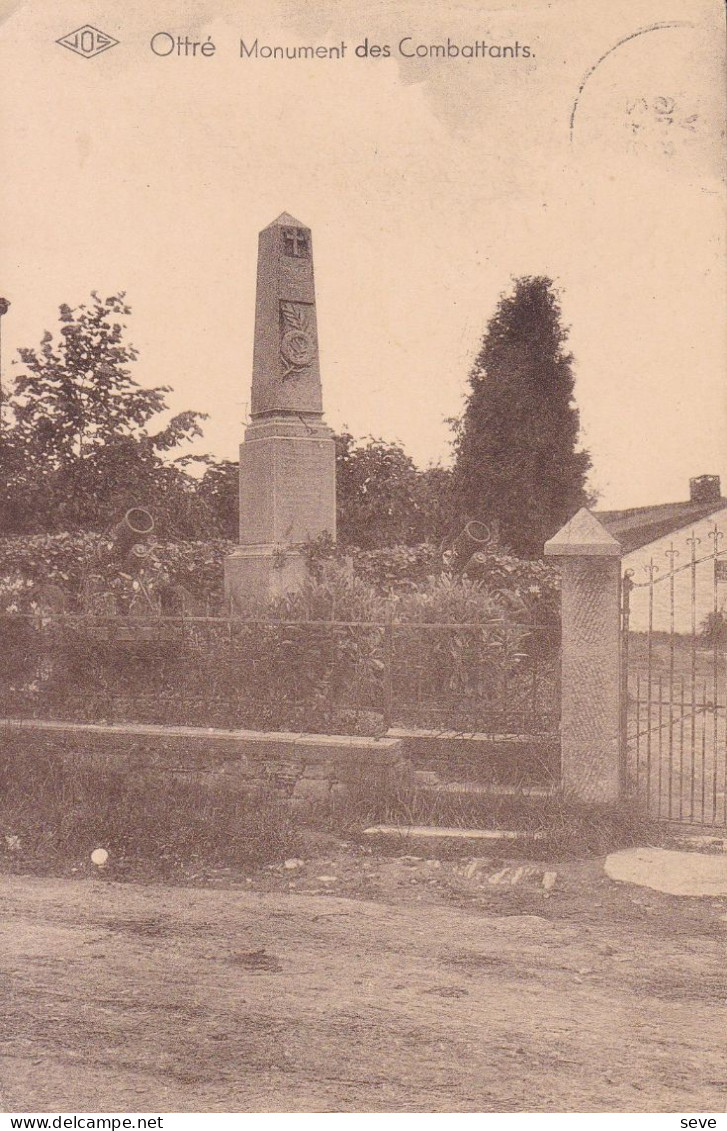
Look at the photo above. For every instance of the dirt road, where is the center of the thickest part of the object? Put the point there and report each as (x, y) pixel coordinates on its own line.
(418, 986)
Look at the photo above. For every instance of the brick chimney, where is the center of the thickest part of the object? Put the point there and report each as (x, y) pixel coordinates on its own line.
(705, 489)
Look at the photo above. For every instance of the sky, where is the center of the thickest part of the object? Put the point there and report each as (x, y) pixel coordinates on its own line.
(429, 183)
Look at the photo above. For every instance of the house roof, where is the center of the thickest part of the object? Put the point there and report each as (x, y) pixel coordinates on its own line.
(638, 526)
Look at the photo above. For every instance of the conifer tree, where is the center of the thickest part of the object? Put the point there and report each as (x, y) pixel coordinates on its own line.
(516, 445)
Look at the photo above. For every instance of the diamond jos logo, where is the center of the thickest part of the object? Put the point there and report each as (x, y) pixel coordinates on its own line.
(87, 41)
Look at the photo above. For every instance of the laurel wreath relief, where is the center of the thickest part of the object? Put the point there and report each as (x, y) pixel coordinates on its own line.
(297, 345)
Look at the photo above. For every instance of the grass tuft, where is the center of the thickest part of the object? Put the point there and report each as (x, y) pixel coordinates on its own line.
(54, 813)
(57, 807)
(568, 829)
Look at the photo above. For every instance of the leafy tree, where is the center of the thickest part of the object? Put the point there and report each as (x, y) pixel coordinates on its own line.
(76, 443)
(219, 492)
(516, 444)
(382, 498)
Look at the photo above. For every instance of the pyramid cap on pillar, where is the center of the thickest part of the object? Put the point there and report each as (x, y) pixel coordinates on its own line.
(583, 536)
(285, 220)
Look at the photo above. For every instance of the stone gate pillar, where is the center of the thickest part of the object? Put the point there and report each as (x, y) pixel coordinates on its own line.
(590, 562)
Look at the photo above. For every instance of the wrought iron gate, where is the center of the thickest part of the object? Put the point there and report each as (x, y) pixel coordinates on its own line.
(674, 682)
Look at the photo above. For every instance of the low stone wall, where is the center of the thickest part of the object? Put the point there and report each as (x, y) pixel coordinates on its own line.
(304, 767)
(498, 759)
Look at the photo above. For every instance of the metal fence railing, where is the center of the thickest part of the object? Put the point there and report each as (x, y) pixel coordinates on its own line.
(342, 676)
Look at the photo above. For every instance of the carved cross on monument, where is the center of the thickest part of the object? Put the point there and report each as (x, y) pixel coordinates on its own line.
(295, 243)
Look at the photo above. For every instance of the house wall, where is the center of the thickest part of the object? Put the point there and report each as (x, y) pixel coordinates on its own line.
(656, 551)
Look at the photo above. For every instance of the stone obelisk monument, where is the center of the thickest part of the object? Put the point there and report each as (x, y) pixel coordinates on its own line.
(287, 459)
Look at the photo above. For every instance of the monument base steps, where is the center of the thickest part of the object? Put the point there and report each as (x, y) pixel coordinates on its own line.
(256, 574)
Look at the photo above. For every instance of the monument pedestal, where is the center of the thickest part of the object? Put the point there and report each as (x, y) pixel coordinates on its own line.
(255, 574)
(287, 498)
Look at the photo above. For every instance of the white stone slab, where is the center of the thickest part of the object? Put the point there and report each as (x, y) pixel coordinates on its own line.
(676, 873)
(434, 832)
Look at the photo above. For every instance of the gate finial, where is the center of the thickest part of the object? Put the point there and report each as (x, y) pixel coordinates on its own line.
(583, 535)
